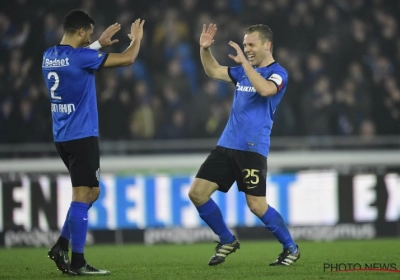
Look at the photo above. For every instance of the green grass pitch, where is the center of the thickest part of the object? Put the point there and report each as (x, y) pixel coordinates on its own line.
(190, 261)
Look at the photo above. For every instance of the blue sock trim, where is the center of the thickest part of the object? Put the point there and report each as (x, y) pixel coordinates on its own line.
(274, 222)
(207, 208)
(212, 216)
(78, 224)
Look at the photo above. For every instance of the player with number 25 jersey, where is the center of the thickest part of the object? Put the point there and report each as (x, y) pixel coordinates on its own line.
(241, 153)
(250, 123)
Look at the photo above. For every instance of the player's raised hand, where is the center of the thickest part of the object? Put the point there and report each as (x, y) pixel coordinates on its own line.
(239, 57)
(136, 30)
(207, 35)
(105, 38)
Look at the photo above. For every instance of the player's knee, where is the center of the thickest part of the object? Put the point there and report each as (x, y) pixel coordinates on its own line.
(194, 194)
(258, 208)
(201, 191)
(197, 195)
(81, 194)
(95, 194)
(254, 209)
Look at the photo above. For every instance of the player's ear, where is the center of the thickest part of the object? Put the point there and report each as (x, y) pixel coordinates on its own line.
(81, 32)
(268, 45)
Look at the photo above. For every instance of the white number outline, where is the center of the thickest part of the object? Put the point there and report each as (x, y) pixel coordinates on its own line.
(55, 86)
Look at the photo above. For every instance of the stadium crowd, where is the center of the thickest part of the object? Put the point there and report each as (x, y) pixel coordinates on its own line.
(343, 59)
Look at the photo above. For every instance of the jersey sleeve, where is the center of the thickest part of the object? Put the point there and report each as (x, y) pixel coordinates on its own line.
(234, 73)
(279, 78)
(91, 59)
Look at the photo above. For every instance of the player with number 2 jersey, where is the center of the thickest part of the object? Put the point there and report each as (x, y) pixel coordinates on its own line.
(68, 70)
(69, 74)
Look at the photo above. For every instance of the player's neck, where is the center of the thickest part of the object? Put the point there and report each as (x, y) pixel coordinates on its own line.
(68, 40)
(267, 61)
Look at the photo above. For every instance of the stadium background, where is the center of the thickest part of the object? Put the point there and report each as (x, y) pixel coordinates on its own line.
(334, 165)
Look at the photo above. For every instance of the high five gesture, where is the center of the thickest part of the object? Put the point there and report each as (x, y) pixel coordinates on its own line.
(207, 35)
(136, 30)
(211, 66)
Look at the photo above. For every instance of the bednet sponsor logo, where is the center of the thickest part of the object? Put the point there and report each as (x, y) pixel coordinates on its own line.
(349, 267)
(55, 62)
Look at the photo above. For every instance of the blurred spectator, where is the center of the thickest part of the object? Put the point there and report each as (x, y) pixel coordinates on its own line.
(367, 130)
(216, 121)
(343, 60)
(175, 77)
(52, 31)
(352, 108)
(318, 108)
(201, 110)
(391, 101)
(175, 127)
(114, 108)
(7, 121)
(142, 123)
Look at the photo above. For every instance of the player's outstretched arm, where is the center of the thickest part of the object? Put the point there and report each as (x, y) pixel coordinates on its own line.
(211, 66)
(129, 55)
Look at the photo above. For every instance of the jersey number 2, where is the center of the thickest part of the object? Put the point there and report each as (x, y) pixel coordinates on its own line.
(55, 86)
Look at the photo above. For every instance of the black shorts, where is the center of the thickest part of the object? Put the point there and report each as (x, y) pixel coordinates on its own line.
(82, 158)
(225, 166)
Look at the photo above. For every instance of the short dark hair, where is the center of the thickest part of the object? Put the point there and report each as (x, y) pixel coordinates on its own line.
(75, 20)
(264, 32)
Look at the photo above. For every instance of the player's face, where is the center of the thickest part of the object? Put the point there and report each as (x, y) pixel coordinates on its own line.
(85, 35)
(255, 49)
